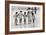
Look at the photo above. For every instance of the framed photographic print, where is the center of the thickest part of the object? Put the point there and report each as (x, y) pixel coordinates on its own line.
(24, 17)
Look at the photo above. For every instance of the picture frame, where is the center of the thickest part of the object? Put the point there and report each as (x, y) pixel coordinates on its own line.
(10, 4)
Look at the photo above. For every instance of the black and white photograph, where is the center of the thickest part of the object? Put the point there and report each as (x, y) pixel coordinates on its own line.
(25, 17)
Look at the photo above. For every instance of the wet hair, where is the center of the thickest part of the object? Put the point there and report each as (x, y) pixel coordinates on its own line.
(20, 11)
(16, 12)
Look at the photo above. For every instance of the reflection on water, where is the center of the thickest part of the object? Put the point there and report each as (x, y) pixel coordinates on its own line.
(24, 26)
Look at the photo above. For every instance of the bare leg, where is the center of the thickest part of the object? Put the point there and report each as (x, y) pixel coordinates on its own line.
(16, 21)
(24, 21)
(20, 21)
